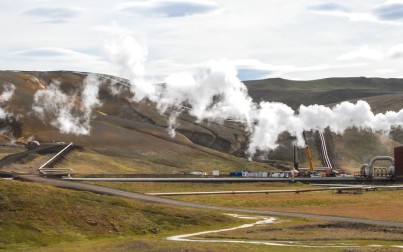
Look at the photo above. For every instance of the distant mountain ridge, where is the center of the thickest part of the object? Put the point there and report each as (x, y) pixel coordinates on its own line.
(325, 91)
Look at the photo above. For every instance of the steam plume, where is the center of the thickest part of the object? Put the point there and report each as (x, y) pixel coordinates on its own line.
(5, 97)
(276, 118)
(70, 114)
(217, 94)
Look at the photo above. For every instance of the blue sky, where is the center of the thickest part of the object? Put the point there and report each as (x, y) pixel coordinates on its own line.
(305, 39)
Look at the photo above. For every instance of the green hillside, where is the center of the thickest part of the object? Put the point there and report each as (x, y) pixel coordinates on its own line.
(38, 216)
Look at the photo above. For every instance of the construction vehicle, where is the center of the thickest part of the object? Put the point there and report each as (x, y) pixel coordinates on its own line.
(311, 171)
(308, 153)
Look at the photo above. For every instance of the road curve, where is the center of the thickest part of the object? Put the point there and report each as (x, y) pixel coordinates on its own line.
(149, 198)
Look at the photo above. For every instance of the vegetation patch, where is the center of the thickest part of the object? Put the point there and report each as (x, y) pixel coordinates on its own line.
(34, 215)
(376, 205)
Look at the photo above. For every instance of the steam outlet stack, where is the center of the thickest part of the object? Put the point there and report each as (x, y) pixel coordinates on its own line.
(399, 164)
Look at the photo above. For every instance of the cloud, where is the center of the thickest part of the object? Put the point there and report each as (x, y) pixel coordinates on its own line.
(45, 52)
(389, 11)
(364, 52)
(54, 53)
(61, 59)
(53, 14)
(112, 29)
(395, 52)
(257, 67)
(169, 8)
(368, 53)
(329, 7)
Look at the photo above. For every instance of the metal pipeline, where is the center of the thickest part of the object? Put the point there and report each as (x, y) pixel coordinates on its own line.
(55, 156)
(377, 158)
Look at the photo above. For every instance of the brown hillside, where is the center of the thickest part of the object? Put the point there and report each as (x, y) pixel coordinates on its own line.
(122, 129)
(130, 135)
(353, 148)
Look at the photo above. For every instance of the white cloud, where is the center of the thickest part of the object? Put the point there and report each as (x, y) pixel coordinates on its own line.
(286, 37)
(384, 14)
(40, 58)
(390, 10)
(168, 8)
(53, 14)
(375, 54)
(273, 70)
(364, 52)
(396, 51)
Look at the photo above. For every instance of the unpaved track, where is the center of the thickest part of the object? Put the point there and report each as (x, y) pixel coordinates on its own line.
(149, 198)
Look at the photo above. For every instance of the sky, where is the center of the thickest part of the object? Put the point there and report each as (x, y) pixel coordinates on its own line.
(300, 40)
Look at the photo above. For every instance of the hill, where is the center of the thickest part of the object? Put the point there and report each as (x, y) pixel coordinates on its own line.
(132, 137)
(327, 91)
(126, 136)
(34, 216)
(353, 148)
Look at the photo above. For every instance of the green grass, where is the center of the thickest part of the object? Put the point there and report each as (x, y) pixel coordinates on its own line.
(370, 205)
(35, 216)
(42, 218)
(313, 230)
(144, 244)
(149, 187)
(304, 231)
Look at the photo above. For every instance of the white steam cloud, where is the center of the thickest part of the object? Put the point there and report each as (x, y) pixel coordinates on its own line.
(69, 113)
(217, 94)
(5, 96)
(276, 118)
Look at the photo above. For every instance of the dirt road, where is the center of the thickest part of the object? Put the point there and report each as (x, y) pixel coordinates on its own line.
(149, 198)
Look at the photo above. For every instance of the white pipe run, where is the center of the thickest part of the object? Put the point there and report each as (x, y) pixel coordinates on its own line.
(55, 156)
(378, 158)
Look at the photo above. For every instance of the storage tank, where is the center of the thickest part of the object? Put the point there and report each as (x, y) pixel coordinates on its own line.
(33, 145)
(399, 163)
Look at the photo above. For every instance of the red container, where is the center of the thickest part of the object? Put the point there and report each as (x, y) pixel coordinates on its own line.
(399, 163)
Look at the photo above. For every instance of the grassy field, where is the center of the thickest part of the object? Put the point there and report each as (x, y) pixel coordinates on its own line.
(315, 233)
(167, 162)
(160, 245)
(42, 218)
(369, 205)
(310, 235)
(380, 205)
(149, 187)
(37, 216)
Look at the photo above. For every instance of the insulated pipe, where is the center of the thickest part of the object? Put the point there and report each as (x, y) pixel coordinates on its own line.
(324, 151)
(377, 158)
(55, 156)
